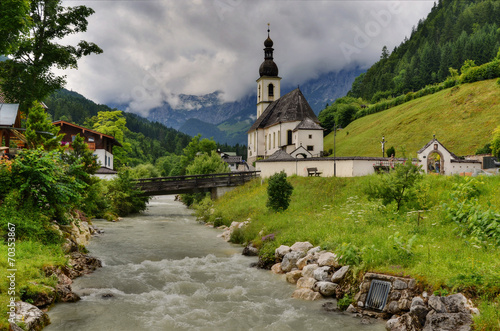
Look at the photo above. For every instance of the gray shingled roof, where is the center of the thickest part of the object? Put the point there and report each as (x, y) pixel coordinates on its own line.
(308, 124)
(279, 155)
(289, 108)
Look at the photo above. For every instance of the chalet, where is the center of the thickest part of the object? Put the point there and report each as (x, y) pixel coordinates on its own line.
(101, 144)
(10, 118)
(285, 123)
(235, 162)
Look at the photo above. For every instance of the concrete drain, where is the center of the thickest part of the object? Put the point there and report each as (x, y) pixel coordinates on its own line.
(377, 295)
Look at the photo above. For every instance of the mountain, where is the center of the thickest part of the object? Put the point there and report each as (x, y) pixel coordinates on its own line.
(453, 32)
(227, 122)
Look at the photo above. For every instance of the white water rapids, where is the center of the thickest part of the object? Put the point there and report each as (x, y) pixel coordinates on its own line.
(164, 271)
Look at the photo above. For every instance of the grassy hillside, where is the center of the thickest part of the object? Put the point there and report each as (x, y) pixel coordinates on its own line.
(462, 118)
(337, 214)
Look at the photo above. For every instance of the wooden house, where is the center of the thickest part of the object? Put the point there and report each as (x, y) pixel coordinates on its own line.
(10, 118)
(101, 144)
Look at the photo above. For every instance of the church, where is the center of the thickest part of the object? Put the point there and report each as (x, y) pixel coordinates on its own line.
(284, 124)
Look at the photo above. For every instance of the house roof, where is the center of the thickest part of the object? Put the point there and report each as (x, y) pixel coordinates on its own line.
(113, 140)
(436, 141)
(8, 113)
(232, 159)
(291, 107)
(105, 171)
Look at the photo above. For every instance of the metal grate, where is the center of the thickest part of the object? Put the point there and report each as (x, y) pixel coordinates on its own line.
(377, 295)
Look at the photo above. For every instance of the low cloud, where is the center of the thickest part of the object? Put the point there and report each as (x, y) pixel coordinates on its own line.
(156, 50)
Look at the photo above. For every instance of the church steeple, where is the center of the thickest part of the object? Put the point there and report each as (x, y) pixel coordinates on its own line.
(268, 67)
(268, 85)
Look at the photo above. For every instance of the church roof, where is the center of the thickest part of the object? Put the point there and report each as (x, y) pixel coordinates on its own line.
(289, 108)
(308, 124)
(279, 155)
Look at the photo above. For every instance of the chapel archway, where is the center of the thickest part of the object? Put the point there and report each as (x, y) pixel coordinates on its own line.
(435, 163)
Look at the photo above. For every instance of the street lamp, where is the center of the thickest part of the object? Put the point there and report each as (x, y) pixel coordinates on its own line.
(335, 128)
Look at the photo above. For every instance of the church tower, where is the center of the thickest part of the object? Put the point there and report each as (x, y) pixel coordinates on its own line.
(268, 85)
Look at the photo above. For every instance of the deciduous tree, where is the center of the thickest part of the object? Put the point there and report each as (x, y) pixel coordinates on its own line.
(27, 75)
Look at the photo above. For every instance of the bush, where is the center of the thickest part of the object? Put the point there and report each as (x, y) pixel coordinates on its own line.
(123, 196)
(279, 192)
(396, 186)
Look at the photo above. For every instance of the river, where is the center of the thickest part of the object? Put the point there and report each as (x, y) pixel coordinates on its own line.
(164, 271)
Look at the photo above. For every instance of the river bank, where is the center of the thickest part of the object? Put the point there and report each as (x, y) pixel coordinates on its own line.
(336, 215)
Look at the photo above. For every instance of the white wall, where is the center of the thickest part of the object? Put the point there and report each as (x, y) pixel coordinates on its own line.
(105, 158)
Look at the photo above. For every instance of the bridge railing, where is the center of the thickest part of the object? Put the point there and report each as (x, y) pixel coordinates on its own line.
(246, 174)
(190, 183)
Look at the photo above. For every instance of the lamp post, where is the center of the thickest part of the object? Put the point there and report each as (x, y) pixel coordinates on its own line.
(335, 128)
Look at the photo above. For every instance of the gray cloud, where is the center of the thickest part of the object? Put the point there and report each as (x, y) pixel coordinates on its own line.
(156, 50)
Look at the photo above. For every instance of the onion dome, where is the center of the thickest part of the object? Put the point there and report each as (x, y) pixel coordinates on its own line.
(268, 67)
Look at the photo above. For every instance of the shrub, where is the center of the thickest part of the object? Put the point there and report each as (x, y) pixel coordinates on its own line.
(279, 192)
(344, 303)
(123, 196)
(396, 186)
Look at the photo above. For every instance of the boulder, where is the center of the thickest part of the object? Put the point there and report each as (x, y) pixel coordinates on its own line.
(328, 259)
(82, 264)
(250, 250)
(302, 246)
(281, 251)
(323, 273)
(327, 289)
(302, 262)
(276, 269)
(44, 296)
(448, 322)
(306, 294)
(419, 309)
(308, 270)
(456, 303)
(313, 251)
(32, 317)
(306, 282)
(437, 304)
(289, 261)
(65, 294)
(340, 274)
(405, 322)
(293, 276)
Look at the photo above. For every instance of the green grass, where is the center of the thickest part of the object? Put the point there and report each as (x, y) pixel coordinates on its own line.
(30, 259)
(462, 118)
(330, 212)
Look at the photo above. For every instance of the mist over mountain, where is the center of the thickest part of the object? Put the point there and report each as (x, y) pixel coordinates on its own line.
(227, 122)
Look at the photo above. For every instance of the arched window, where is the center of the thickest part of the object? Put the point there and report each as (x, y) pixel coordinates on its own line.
(270, 90)
(289, 137)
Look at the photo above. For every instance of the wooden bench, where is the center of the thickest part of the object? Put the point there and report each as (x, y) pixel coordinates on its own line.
(313, 172)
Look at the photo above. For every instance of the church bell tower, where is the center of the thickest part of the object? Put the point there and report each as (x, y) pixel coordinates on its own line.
(268, 85)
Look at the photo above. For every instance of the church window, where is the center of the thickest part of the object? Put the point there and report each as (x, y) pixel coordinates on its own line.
(310, 136)
(269, 141)
(271, 90)
(258, 97)
(265, 143)
(274, 139)
(310, 148)
(289, 137)
(279, 139)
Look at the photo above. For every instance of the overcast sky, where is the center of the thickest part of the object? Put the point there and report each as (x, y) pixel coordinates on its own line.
(155, 50)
